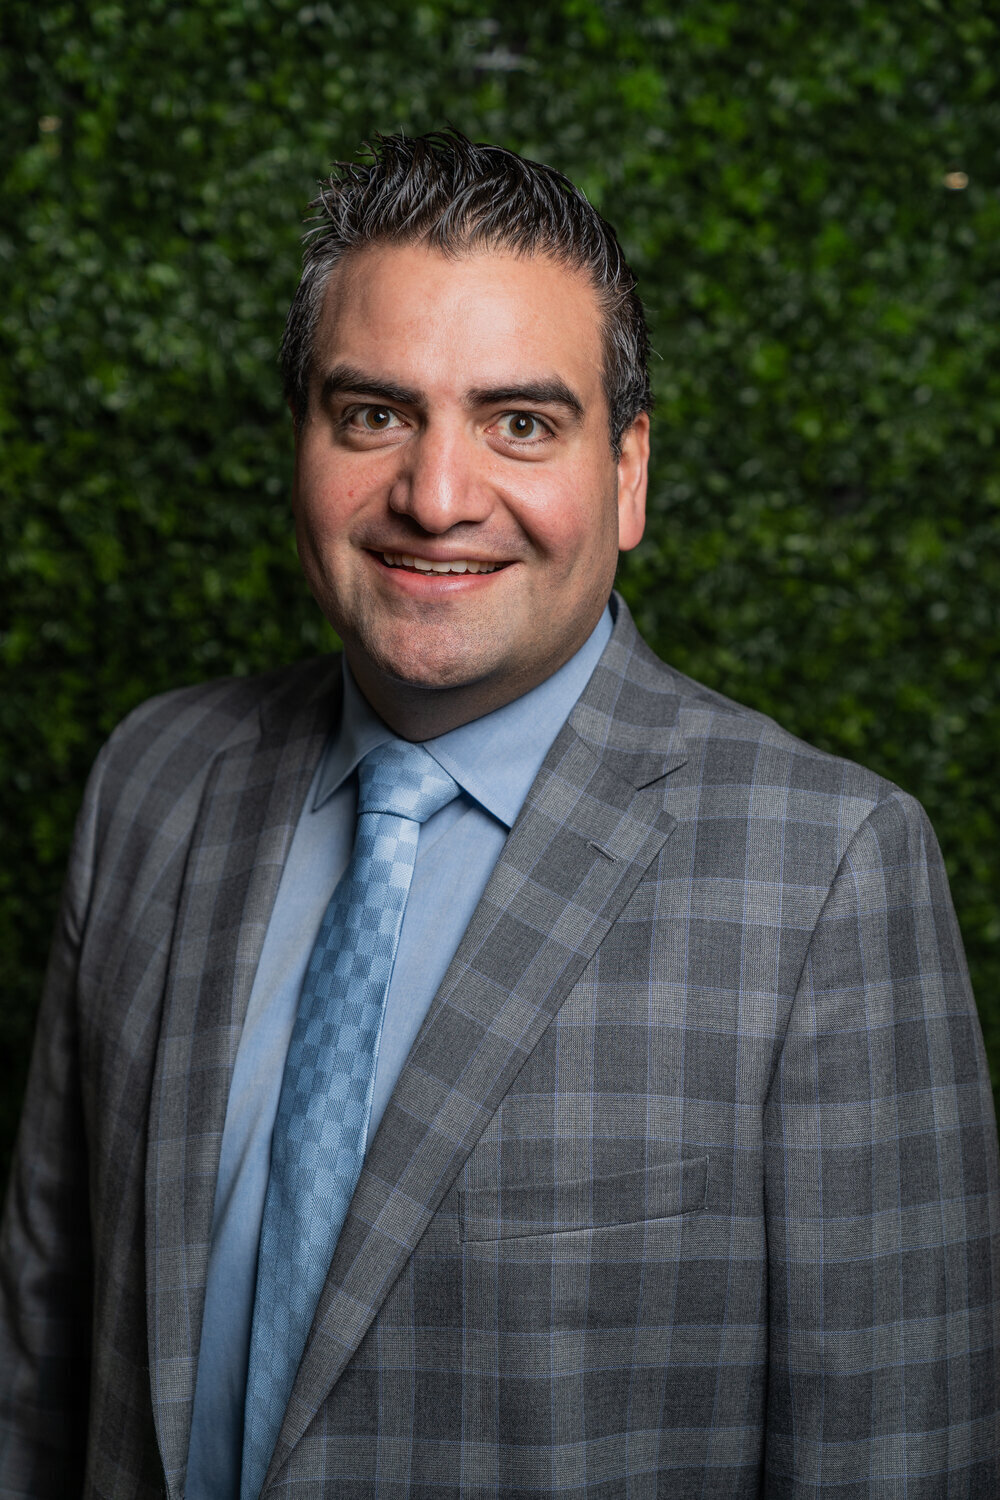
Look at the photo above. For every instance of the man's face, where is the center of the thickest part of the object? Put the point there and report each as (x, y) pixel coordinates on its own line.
(458, 507)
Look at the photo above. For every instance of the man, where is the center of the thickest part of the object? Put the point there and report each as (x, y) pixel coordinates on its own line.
(613, 1120)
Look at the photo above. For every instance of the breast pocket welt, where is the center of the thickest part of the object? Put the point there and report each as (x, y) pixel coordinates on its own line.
(522, 1210)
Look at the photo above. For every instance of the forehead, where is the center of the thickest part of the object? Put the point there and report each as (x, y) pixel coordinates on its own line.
(474, 320)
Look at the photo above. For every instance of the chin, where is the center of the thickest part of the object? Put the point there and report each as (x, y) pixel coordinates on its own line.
(432, 665)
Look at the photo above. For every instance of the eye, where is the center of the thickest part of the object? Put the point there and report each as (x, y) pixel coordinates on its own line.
(523, 427)
(373, 418)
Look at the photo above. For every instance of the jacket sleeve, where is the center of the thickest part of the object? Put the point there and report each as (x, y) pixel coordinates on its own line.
(45, 1242)
(881, 1187)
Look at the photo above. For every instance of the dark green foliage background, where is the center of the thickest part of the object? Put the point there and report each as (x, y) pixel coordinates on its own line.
(824, 541)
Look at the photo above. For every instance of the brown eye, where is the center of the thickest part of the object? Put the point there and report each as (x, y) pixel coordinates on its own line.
(376, 418)
(521, 424)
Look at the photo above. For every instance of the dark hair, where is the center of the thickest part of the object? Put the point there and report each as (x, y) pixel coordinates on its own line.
(456, 195)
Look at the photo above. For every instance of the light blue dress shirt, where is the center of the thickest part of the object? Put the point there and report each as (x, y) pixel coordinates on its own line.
(494, 760)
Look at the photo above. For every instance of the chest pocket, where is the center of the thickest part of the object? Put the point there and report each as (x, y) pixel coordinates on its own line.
(516, 1210)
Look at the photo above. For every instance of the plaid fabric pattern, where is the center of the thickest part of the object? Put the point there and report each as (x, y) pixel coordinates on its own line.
(688, 1188)
(326, 1092)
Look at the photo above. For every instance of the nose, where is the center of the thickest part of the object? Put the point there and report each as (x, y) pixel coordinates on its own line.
(440, 483)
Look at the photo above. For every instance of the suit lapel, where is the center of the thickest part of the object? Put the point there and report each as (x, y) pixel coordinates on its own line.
(593, 822)
(248, 813)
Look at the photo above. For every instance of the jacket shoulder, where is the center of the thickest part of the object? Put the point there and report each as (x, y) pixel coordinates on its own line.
(731, 744)
(208, 717)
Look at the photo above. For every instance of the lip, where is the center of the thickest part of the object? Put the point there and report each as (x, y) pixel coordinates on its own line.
(423, 585)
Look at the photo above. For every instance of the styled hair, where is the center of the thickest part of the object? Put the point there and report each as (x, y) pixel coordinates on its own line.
(457, 196)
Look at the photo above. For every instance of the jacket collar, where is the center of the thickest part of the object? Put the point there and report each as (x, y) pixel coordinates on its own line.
(254, 791)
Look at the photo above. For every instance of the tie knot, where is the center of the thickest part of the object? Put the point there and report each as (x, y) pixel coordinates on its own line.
(404, 780)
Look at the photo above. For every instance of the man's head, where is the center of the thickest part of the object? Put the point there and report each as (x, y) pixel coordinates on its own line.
(448, 360)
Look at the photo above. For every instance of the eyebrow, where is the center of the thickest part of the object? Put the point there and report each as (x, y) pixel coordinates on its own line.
(553, 392)
(349, 379)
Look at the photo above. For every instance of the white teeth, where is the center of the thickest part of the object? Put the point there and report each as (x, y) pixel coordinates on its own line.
(425, 565)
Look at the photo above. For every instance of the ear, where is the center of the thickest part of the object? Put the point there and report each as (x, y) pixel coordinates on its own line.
(633, 477)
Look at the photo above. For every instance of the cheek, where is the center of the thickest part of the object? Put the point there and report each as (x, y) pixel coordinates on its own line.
(322, 526)
(331, 486)
(572, 525)
(326, 504)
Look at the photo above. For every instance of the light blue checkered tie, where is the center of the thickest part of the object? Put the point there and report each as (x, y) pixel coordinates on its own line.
(326, 1091)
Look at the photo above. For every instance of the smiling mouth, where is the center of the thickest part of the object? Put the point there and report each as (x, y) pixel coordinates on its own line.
(425, 565)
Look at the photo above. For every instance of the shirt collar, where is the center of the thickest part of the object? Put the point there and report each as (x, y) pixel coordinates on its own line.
(495, 758)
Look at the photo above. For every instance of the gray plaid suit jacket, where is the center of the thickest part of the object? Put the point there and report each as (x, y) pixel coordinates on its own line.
(687, 1188)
